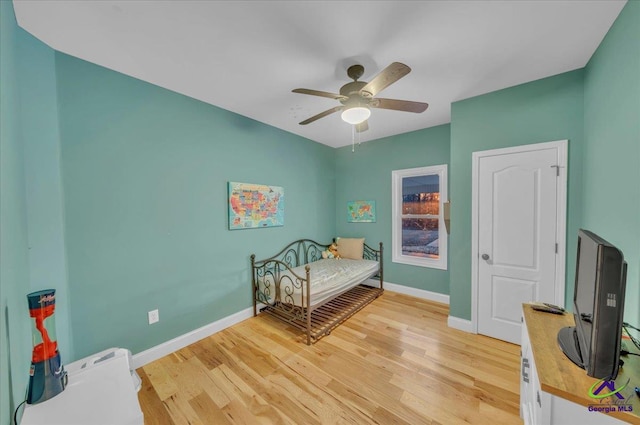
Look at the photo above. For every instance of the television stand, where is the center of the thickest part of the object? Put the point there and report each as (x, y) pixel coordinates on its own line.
(553, 390)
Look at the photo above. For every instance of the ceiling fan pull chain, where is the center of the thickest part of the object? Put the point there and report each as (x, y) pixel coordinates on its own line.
(353, 138)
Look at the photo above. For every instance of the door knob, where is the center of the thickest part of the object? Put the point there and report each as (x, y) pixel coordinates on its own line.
(485, 257)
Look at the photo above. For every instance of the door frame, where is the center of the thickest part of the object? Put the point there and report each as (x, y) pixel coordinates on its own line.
(561, 218)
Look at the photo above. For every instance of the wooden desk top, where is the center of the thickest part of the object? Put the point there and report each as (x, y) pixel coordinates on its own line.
(561, 377)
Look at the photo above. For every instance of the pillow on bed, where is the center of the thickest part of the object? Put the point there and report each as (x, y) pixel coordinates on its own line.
(351, 247)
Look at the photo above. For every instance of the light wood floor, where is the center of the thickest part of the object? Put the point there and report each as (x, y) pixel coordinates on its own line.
(394, 362)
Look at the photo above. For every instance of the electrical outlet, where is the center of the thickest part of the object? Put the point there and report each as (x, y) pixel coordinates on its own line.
(154, 316)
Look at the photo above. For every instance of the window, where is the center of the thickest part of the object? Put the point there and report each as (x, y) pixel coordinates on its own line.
(419, 235)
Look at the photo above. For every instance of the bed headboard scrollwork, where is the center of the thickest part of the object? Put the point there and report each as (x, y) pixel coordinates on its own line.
(298, 253)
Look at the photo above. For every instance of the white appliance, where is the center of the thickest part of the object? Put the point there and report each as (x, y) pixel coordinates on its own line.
(101, 390)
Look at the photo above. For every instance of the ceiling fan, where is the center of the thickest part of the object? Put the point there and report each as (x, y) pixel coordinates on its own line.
(357, 97)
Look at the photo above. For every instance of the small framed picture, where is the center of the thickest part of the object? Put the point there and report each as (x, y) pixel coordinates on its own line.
(361, 211)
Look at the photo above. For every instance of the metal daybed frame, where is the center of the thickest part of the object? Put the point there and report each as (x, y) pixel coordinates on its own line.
(315, 320)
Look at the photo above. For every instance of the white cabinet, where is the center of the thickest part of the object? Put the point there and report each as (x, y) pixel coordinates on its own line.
(538, 407)
(534, 403)
(101, 390)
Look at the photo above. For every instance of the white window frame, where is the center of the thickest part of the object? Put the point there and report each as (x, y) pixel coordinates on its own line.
(396, 202)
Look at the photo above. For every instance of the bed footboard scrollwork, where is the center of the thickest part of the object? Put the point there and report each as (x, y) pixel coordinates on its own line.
(274, 283)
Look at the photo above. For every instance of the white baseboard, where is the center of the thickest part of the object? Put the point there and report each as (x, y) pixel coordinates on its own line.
(460, 324)
(414, 292)
(168, 347)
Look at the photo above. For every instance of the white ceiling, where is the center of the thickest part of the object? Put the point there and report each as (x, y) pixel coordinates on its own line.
(247, 56)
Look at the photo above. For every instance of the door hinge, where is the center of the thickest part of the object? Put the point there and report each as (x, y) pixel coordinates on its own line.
(556, 248)
(557, 167)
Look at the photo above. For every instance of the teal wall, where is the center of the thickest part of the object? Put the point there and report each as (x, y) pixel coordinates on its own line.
(611, 189)
(145, 174)
(15, 333)
(43, 180)
(32, 243)
(113, 191)
(540, 111)
(366, 175)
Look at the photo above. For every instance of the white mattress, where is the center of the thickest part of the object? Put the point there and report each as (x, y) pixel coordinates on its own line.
(329, 277)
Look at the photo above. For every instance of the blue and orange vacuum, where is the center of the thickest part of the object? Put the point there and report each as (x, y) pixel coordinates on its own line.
(47, 377)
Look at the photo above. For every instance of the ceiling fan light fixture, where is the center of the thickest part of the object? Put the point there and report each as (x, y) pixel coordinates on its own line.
(356, 114)
(357, 97)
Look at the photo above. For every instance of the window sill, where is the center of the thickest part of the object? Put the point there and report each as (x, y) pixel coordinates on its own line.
(419, 262)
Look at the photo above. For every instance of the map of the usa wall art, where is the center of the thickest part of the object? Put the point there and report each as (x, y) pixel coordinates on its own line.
(255, 205)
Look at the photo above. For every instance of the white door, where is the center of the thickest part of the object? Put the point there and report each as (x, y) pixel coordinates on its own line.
(517, 235)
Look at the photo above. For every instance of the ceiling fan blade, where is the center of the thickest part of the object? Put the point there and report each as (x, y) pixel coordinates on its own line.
(385, 78)
(320, 93)
(363, 126)
(399, 105)
(321, 115)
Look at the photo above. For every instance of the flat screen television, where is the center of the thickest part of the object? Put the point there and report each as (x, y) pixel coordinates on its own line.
(598, 307)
